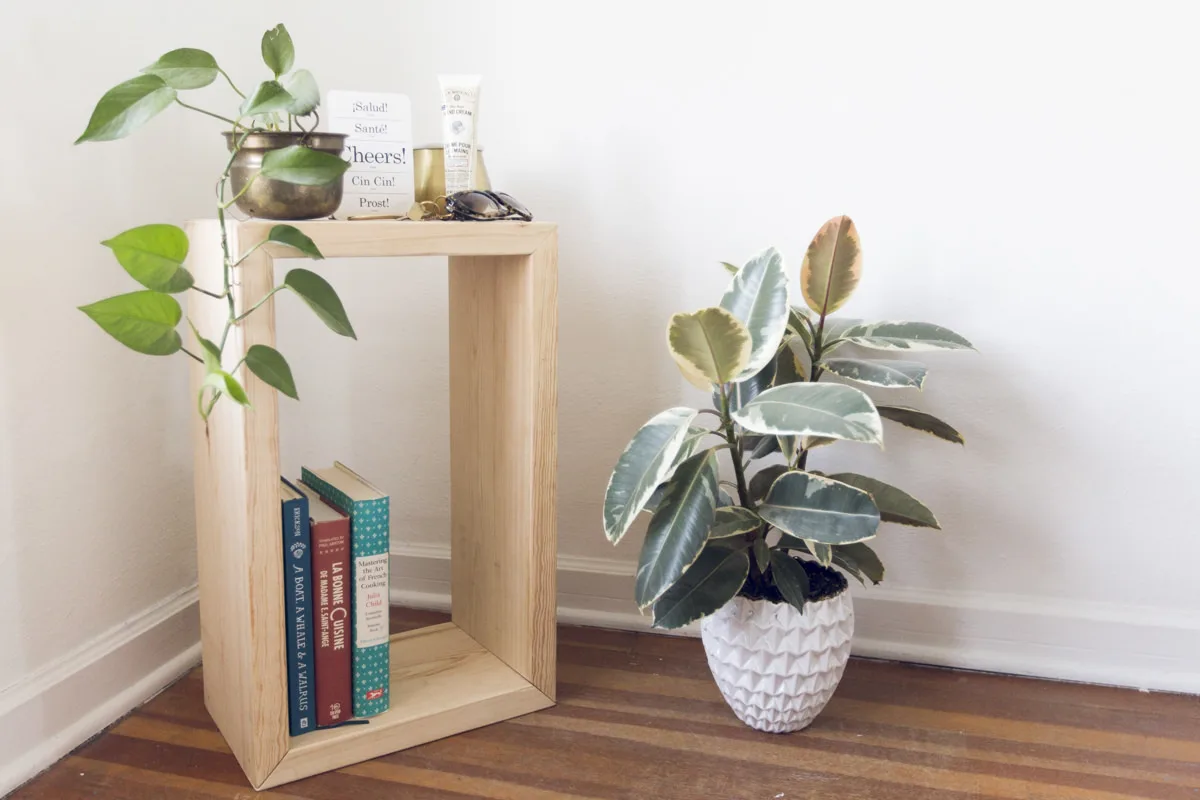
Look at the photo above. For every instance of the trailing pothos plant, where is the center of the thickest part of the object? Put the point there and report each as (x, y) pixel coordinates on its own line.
(147, 321)
(782, 526)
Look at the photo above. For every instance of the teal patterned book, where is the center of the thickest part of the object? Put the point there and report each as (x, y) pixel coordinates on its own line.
(369, 510)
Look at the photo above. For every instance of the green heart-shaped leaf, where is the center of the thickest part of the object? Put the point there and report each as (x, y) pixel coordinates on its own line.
(225, 383)
(294, 237)
(153, 255)
(278, 52)
(126, 107)
(268, 96)
(302, 166)
(710, 346)
(302, 86)
(142, 321)
(185, 68)
(212, 353)
(321, 298)
(272, 369)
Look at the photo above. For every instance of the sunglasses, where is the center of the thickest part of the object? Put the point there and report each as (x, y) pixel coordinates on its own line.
(479, 205)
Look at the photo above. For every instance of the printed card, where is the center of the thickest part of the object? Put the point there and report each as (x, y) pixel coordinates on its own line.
(379, 149)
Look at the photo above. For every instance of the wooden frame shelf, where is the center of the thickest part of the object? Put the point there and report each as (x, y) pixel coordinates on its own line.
(495, 659)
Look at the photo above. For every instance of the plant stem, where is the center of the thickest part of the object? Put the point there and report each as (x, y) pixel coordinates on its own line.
(191, 355)
(227, 265)
(216, 396)
(249, 253)
(735, 448)
(252, 308)
(235, 198)
(231, 86)
(202, 111)
(210, 294)
(814, 375)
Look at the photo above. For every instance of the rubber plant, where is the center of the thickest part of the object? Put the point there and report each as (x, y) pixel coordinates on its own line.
(147, 321)
(785, 525)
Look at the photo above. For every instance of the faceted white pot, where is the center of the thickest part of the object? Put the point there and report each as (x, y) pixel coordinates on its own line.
(776, 667)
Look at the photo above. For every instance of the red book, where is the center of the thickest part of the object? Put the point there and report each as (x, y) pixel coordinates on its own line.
(332, 581)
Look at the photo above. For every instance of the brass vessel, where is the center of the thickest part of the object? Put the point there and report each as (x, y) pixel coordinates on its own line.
(270, 199)
(429, 172)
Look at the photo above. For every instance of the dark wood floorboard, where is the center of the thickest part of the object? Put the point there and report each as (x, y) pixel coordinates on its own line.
(639, 717)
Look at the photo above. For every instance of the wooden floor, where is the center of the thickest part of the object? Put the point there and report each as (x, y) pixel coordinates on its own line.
(639, 717)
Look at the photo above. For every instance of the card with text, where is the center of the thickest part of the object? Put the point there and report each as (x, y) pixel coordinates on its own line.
(379, 148)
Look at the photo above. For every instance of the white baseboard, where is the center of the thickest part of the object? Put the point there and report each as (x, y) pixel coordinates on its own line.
(54, 710)
(1107, 643)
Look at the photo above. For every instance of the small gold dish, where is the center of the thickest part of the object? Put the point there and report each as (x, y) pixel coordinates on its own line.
(429, 173)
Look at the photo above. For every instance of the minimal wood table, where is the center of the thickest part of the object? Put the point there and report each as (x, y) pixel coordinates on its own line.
(495, 660)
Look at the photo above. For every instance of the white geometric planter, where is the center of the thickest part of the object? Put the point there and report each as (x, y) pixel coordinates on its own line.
(776, 667)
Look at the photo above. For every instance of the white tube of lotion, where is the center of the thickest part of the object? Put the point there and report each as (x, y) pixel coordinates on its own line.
(460, 106)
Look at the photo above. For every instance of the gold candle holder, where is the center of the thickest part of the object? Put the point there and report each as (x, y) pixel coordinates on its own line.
(429, 173)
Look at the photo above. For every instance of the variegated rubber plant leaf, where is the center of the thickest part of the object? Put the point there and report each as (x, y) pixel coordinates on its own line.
(758, 297)
(708, 584)
(734, 521)
(888, 374)
(647, 461)
(710, 346)
(920, 421)
(895, 505)
(860, 561)
(679, 528)
(832, 266)
(746, 390)
(813, 409)
(691, 444)
(904, 336)
(820, 509)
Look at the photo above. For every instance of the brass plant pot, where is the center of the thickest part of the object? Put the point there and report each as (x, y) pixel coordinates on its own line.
(429, 172)
(271, 199)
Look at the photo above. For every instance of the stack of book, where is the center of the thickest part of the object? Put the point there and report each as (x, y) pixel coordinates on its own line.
(335, 555)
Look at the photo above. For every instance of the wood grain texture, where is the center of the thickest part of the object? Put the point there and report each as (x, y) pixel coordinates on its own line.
(406, 238)
(503, 399)
(638, 717)
(503, 344)
(238, 525)
(443, 682)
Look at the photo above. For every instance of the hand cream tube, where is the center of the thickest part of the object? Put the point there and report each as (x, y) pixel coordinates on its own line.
(460, 107)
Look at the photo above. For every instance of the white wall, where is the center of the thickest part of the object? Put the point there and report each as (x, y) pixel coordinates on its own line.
(1023, 173)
